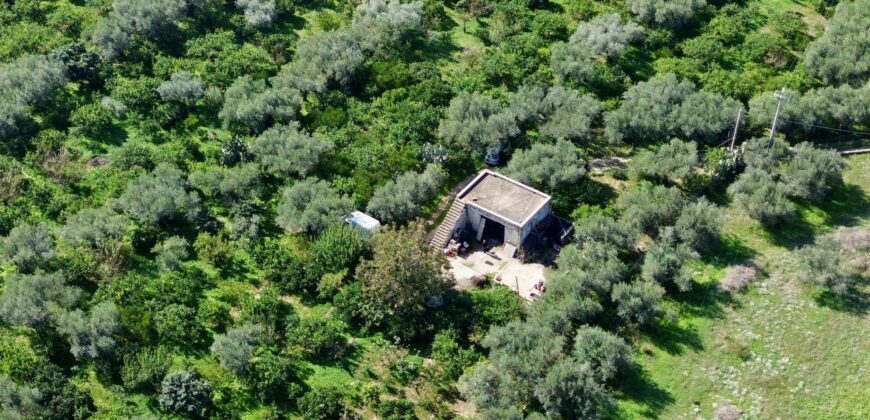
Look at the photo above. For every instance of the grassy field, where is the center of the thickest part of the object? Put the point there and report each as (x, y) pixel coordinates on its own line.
(781, 349)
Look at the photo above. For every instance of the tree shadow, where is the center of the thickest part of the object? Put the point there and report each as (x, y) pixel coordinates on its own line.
(846, 205)
(793, 233)
(728, 250)
(233, 268)
(673, 338)
(705, 300)
(855, 302)
(637, 386)
(637, 63)
(348, 358)
(439, 46)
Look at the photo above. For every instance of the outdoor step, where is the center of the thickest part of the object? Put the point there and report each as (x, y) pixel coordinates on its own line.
(442, 233)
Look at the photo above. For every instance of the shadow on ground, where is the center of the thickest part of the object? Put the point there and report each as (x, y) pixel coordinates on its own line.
(728, 250)
(638, 387)
(856, 302)
(845, 205)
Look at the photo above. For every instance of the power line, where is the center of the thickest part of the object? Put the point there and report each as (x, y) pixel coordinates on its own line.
(826, 127)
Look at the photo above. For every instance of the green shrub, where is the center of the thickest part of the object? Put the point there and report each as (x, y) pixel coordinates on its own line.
(92, 120)
(280, 265)
(316, 337)
(398, 409)
(177, 325)
(323, 404)
(144, 369)
(494, 306)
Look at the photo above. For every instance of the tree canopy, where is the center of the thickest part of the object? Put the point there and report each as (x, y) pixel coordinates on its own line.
(837, 56)
(607, 35)
(666, 107)
(310, 206)
(401, 281)
(548, 166)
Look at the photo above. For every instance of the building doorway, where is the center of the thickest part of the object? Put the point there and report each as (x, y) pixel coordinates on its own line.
(493, 230)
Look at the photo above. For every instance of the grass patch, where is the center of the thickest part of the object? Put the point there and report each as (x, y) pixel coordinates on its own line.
(779, 350)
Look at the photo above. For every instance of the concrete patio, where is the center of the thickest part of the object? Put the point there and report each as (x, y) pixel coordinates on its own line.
(476, 265)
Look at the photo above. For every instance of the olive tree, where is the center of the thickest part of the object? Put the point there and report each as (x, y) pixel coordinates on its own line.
(383, 23)
(826, 264)
(606, 35)
(665, 107)
(699, 224)
(309, 206)
(250, 105)
(648, 207)
(604, 229)
(839, 54)
(637, 301)
(759, 194)
(549, 166)
(760, 154)
(705, 115)
(842, 105)
(35, 299)
(287, 150)
(18, 401)
(672, 161)
(401, 199)
(591, 267)
(572, 61)
(160, 197)
(129, 18)
(183, 87)
(606, 353)
(571, 390)
(668, 13)
(811, 172)
(258, 13)
(24, 82)
(665, 262)
(232, 186)
(28, 246)
(475, 122)
(172, 252)
(568, 114)
(322, 59)
(520, 355)
(95, 228)
(234, 349)
(560, 113)
(90, 334)
(185, 393)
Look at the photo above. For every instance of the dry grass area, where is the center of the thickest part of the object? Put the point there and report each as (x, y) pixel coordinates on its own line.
(781, 349)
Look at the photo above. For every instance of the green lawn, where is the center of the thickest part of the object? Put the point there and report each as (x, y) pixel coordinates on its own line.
(780, 350)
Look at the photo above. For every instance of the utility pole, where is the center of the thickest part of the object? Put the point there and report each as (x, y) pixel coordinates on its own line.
(780, 96)
(736, 127)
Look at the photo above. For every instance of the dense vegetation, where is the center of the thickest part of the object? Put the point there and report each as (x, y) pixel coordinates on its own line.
(173, 176)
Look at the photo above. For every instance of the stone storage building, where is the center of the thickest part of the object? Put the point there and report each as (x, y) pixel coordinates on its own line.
(495, 207)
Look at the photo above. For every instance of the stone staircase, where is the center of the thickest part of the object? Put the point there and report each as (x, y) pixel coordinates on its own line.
(445, 229)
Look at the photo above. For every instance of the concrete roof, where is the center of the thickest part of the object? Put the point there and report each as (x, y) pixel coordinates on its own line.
(503, 196)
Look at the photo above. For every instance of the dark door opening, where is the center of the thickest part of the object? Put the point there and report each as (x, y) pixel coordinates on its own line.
(493, 230)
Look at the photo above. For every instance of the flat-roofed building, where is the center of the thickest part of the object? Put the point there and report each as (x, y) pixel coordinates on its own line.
(496, 207)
